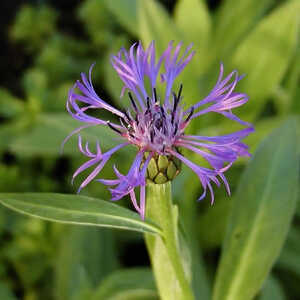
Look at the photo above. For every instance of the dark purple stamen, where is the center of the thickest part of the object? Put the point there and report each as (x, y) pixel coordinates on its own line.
(155, 95)
(148, 106)
(176, 129)
(177, 98)
(179, 92)
(126, 115)
(163, 112)
(132, 102)
(176, 101)
(173, 115)
(113, 128)
(151, 136)
(190, 115)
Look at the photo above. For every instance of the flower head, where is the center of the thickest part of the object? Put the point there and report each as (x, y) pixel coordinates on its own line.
(155, 123)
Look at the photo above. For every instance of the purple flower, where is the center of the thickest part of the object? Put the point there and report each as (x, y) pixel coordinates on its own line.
(155, 124)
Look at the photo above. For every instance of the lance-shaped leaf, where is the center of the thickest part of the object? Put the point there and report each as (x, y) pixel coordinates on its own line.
(126, 13)
(196, 27)
(260, 218)
(265, 54)
(230, 27)
(156, 24)
(79, 210)
(112, 80)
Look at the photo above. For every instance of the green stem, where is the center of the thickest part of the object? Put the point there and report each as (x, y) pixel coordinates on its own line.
(168, 266)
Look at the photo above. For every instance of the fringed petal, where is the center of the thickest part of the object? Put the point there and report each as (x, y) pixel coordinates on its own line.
(88, 99)
(222, 99)
(205, 175)
(125, 184)
(96, 158)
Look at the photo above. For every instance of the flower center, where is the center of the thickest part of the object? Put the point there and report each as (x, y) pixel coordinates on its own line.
(154, 127)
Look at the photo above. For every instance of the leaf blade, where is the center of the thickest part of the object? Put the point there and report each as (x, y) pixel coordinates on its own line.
(269, 48)
(197, 27)
(246, 257)
(156, 24)
(79, 210)
(126, 12)
(232, 28)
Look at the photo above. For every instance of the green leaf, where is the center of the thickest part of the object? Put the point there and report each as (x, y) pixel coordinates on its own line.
(98, 22)
(80, 264)
(265, 54)
(35, 84)
(6, 293)
(196, 27)
(112, 80)
(33, 25)
(235, 19)
(156, 24)
(272, 290)
(261, 214)
(10, 106)
(215, 218)
(292, 86)
(133, 284)
(9, 132)
(79, 210)
(289, 257)
(126, 12)
(262, 127)
(136, 295)
(47, 135)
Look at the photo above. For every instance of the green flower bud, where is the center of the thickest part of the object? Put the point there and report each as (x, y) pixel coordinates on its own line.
(162, 168)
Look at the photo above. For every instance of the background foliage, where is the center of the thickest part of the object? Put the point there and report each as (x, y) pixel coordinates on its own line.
(47, 44)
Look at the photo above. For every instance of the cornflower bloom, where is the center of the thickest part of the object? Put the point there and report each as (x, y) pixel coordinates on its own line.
(155, 124)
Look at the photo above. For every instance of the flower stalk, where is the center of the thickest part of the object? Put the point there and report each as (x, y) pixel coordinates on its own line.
(171, 275)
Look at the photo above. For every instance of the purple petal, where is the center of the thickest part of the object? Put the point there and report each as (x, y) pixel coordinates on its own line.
(142, 200)
(98, 158)
(222, 98)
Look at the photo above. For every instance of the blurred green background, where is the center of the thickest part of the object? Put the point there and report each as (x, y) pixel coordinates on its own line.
(44, 47)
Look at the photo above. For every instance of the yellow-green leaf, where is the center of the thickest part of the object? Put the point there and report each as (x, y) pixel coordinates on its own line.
(80, 210)
(261, 214)
(265, 54)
